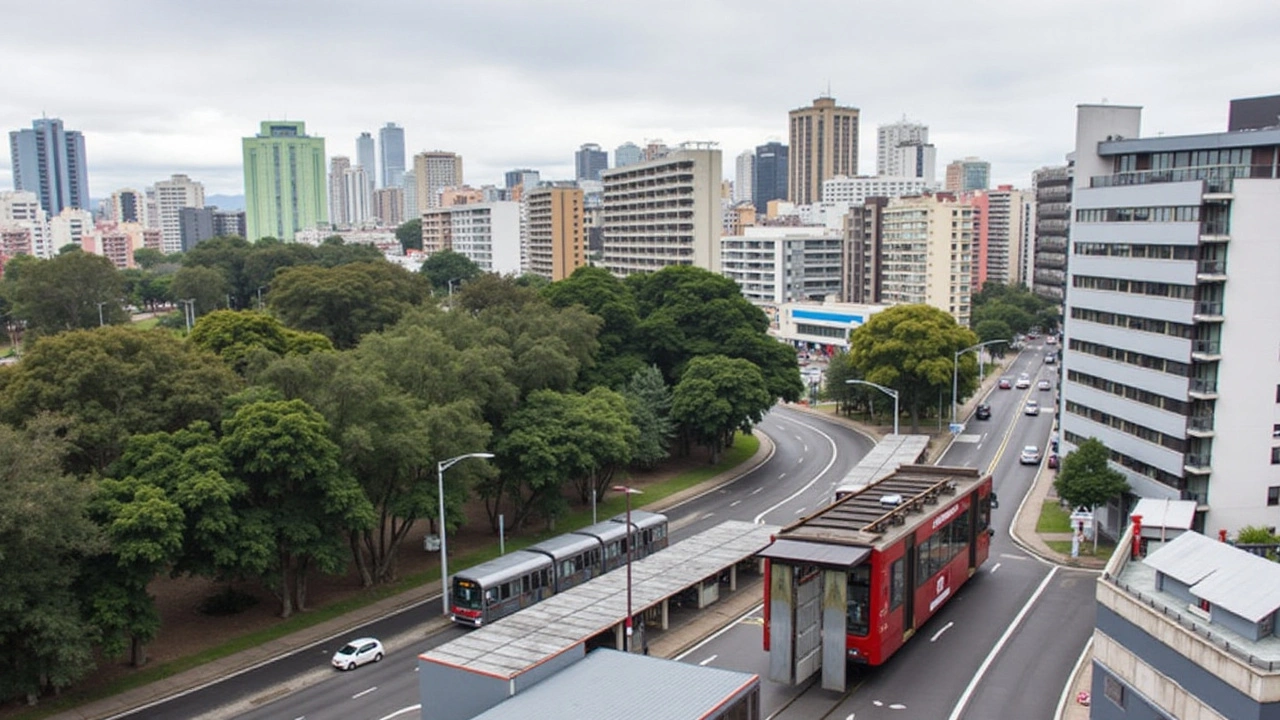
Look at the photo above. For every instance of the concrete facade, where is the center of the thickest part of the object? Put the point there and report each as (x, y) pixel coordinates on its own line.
(433, 172)
(775, 265)
(926, 254)
(488, 234)
(284, 181)
(555, 231)
(823, 144)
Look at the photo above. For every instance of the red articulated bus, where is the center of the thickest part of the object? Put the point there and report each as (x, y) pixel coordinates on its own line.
(856, 579)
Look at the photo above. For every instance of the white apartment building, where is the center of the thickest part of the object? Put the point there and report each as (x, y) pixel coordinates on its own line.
(69, 227)
(890, 137)
(855, 190)
(1172, 326)
(744, 167)
(775, 265)
(171, 196)
(663, 212)
(926, 254)
(488, 234)
(20, 210)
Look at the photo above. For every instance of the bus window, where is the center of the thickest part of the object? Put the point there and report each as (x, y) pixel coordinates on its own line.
(859, 602)
(897, 583)
(466, 594)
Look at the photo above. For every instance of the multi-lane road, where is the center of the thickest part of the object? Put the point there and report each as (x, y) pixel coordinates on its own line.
(1002, 648)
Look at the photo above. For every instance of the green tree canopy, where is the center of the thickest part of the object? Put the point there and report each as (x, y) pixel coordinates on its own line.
(410, 234)
(207, 287)
(1085, 479)
(621, 353)
(718, 396)
(345, 302)
(649, 399)
(64, 293)
(911, 348)
(446, 265)
(236, 336)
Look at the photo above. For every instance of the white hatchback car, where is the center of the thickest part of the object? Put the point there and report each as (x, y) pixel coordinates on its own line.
(1032, 408)
(1030, 455)
(1024, 381)
(357, 653)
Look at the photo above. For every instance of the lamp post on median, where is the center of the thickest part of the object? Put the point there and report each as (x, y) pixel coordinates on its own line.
(444, 545)
(887, 391)
(955, 371)
(628, 491)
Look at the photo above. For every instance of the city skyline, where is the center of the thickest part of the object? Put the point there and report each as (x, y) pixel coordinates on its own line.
(1008, 99)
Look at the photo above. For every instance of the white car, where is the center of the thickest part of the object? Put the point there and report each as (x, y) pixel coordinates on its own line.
(1030, 455)
(1032, 408)
(1024, 382)
(1044, 385)
(357, 653)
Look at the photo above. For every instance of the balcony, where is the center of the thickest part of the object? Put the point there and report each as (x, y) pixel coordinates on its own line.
(1208, 311)
(1203, 389)
(1211, 271)
(1215, 231)
(1198, 464)
(1202, 502)
(1200, 426)
(1206, 350)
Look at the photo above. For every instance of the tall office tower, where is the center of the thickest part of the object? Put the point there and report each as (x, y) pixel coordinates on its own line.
(1052, 187)
(358, 196)
(1172, 324)
(487, 234)
(892, 136)
(860, 264)
(628, 153)
(284, 181)
(925, 254)
(968, 174)
(338, 167)
(409, 184)
(744, 168)
(522, 178)
(367, 157)
(769, 175)
(663, 212)
(824, 144)
(391, 149)
(388, 206)
(172, 195)
(998, 243)
(556, 237)
(589, 161)
(916, 160)
(128, 205)
(21, 214)
(435, 171)
(50, 162)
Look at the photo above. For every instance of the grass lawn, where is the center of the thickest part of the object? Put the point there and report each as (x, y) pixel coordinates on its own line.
(744, 447)
(1105, 549)
(1054, 518)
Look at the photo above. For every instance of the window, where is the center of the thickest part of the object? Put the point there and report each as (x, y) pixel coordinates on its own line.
(1275, 456)
(898, 583)
(1113, 689)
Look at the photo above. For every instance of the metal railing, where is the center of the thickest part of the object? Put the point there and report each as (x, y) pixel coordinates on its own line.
(1206, 347)
(1208, 308)
(1203, 460)
(1212, 267)
(1217, 178)
(1203, 385)
(1199, 422)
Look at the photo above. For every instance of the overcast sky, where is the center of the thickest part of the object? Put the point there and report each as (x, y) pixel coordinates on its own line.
(171, 86)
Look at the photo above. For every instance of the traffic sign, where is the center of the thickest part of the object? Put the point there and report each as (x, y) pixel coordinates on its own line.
(957, 428)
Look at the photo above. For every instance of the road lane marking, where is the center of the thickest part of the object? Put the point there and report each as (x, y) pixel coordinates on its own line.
(995, 567)
(402, 711)
(991, 656)
(704, 662)
(753, 492)
(799, 511)
(362, 693)
(720, 632)
(704, 517)
(941, 630)
(735, 503)
(759, 519)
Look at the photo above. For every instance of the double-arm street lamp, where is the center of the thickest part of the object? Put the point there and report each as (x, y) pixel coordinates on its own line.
(444, 546)
(955, 370)
(887, 391)
(628, 491)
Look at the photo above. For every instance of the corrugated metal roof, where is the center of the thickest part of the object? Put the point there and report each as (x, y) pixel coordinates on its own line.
(1237, 581)
(639, 688)
(885, 458)
(817, 553)
(518, 642)
(1164, 513)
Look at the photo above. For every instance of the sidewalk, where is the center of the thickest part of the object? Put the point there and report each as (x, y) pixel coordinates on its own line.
(672, 641)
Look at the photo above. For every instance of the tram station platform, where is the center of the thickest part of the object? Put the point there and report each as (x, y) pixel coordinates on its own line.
(498, 661)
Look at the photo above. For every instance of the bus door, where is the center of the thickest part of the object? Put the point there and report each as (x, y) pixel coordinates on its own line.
(976, 535)
(909, 601)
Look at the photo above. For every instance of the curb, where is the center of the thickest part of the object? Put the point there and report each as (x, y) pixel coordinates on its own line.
(711, 484)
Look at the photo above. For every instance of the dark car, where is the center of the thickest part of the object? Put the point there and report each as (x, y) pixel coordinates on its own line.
(983, 412)
(1053, 460)
(1005, 383)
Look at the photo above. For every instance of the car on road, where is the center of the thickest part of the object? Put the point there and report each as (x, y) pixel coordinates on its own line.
(1005, 383)
(1032, 408)
(983, 412)
(1053, 460)
(357, 653)
(1050, 339)
(1030, 455)
(1024, 381)
(1044, 385)
(1051, 358)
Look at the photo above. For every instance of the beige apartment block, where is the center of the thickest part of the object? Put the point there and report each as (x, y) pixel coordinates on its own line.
(926, 253)
(556, 232)
(824, 144)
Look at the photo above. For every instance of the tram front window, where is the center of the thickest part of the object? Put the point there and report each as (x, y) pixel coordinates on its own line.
(466, 594)
(859, 600)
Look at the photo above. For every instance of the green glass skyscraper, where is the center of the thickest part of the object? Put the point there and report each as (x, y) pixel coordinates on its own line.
(284, 181)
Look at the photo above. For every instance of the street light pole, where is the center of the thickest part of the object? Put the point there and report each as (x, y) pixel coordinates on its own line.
(260, 287)
(955, 371)
(628, 491)
(189, 312)
(444, 545)
(101, 322)
(887, 391)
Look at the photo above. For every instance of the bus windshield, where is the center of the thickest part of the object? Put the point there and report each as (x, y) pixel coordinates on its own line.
(859, 601)
(466, 594)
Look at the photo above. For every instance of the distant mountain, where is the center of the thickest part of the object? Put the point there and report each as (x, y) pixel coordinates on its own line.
(225, 202)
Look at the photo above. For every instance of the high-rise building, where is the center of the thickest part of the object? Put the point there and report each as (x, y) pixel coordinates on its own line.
(435, 171)
(628, 153)
(50, 162)
(229, 223)
(855, 190)
(338, 167)
(863, 234)
(824, 144)
(128, 205)
(367, 158)
(1169, 354)
(388, 205)
(556, 238)
(69, 227)
(409, 184)
(1052, 187)
(744, 168)
(589, 161)
(195, 225)
(284, 180)
(172, 195)
(889, 138)
(967, 175)
(998, 236)
(926, 254)
(359, 198)
(775, 265)
(391, 149)
(769, 175)
(487, 234)
(663, 212)
(26, 225)
(522, 178)
(916, 160)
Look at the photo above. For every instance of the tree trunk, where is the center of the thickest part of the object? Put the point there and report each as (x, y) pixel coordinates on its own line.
(300, 584)
(358, 555)
(137, 652)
